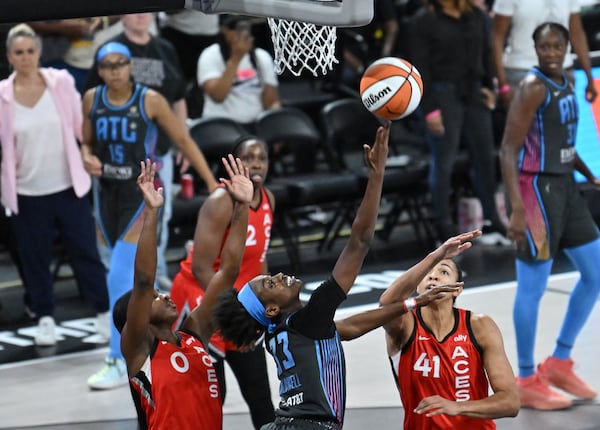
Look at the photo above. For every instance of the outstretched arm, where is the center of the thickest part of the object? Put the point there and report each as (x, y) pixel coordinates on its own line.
(241, 188)
(398, 329)
(405, 285)
(350, 260)
(362, 323)
(135, 343)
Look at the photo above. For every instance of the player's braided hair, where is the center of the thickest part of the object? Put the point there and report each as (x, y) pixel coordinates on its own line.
(233, 322)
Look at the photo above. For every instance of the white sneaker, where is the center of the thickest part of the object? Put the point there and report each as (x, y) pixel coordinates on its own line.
(102, 324)
(112, 375)
(493, 235)
(46, 335)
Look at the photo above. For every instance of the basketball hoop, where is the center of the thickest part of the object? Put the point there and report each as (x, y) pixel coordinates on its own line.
(303, 31)
(301, 45)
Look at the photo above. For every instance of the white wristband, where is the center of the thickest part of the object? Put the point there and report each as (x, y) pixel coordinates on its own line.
(410, 304)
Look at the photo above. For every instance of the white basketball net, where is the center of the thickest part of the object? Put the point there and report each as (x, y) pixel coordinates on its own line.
(301, 45)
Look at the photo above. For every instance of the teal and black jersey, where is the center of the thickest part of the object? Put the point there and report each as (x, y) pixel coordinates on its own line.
(311, 368)
(550, 143)
(123, 137)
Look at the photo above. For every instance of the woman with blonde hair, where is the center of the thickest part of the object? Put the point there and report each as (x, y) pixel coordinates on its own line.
(44, 183)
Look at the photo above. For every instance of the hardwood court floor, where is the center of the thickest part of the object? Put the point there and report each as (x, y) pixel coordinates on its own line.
(44, 388)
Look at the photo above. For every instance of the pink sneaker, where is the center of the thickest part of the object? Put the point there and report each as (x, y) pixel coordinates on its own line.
(536, 394)
(559, 373)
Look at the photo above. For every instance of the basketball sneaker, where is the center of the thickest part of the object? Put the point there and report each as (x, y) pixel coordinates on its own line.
(536, 394)
(493, 235)
(112, 375)
(559, 373)
(45, 335)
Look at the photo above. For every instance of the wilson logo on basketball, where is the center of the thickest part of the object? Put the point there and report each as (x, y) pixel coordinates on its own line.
(391, 88)
(373, 98)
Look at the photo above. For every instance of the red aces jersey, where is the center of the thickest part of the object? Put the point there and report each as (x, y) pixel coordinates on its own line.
(451, 368)
(260, 221)
(186, 292)
(177, 388)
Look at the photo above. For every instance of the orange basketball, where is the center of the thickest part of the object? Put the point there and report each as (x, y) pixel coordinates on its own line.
(391, 88)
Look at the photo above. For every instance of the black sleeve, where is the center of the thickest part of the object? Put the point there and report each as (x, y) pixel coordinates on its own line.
(488, 69)
(315, 320)
(173, 70)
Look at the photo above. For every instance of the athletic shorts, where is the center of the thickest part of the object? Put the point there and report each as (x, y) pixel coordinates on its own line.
(284, 423)
(557, 216)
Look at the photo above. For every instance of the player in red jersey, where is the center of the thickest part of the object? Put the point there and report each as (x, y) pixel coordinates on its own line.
(173, 381)
(444, 358)
(196, 271)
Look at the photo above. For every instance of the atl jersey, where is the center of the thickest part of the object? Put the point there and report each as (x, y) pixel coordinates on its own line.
(311, 372)
(451, 368)
(177, 388)
(550, 143)
(123, 137)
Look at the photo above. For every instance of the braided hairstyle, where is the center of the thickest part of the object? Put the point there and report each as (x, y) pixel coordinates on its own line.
(233, 321)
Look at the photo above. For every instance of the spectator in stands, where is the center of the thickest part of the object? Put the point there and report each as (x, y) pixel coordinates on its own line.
(44, 183)
(154, 63)
(456, 105)
(238, 80)
(513, 50)
(119, 130)
(204, 259)
(190, 31)
(71, 45)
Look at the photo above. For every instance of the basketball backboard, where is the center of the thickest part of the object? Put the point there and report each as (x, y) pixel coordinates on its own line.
(346, 13)
(342, 13)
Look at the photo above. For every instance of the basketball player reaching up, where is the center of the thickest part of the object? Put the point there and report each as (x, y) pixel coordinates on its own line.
(303, 339)
(445, 358)
(171, 371)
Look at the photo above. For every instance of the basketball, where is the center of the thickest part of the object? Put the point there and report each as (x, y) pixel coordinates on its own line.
(391, 88)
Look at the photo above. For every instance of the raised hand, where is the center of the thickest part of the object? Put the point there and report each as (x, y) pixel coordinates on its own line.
(377, 155)
(437, 292)
(458, 244)
(239, 184)
(152, 197)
